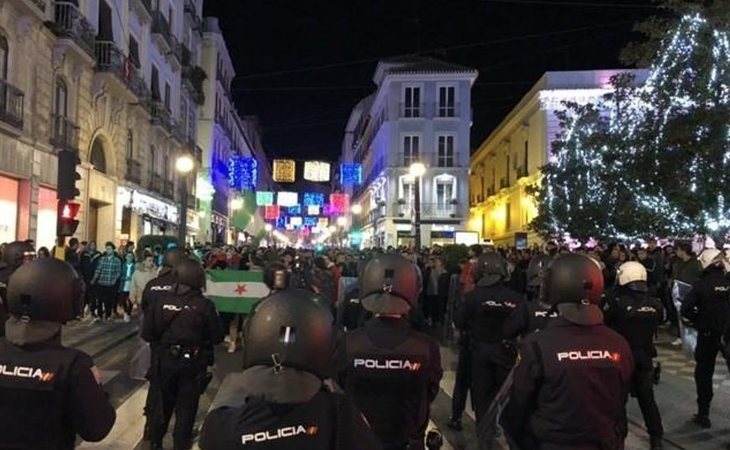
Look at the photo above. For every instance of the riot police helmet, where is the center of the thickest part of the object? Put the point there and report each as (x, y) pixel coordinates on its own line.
(491, 268)
(712, 259)
(47, 290)
(574, 284)
(290, 330)
(189, 273)
(536, 270)
(390, 284)
(633, 276)
(173, 256)
(15, 253)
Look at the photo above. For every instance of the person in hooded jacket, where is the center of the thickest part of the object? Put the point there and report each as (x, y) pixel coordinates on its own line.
(391, 371)
(182, 327)
(571, 384)
(50, 393)
(483, 315)
(636, 316)
(707, 307)
(282, 400)
(14, 255)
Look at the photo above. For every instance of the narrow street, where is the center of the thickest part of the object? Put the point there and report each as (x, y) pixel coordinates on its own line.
(113, 345)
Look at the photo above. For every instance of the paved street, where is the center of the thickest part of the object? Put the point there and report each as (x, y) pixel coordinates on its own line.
(113, 346)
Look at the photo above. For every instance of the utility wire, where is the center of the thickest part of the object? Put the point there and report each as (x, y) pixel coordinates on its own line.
(447, 48)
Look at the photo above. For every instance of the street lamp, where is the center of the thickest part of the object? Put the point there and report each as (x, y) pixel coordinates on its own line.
(184, 165)
(356, 209)
(417, 170)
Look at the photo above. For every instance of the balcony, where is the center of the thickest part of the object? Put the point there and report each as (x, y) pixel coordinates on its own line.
(430, 159)
(168, 189)
(448, 110)
(503, 183)
(155, 183)
(491, 191)
(192, 12)
(159, 115)
(134, 171)
(11, 104)
(70, 23)
(176, 51)
(522, 172)
(429, 211)
(144, 7)
(65, 134)
(34, 7)
(110, 60)
(161, 28)
(411, 111)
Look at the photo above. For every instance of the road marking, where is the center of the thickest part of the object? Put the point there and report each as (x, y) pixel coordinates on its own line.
(129, 427)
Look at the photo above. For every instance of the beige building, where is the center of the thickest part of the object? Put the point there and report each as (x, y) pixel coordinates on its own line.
(113, 79)
(510, 159)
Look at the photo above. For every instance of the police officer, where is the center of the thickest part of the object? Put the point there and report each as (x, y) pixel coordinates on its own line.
(636, 316)
(182, 327)
(49, 393)
(535, 275)
(391, 371)
(572, 382)
(281, 400)
(161, 286)
(14, 255)
(483, 314)
(707, 306)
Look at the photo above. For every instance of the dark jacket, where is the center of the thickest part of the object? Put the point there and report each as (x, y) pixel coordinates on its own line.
(570, 388)
(485, 311)
(158, 288)
(635, 316)
(707, 304)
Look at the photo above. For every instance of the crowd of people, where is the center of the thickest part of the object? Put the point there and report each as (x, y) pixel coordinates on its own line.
(582, 319)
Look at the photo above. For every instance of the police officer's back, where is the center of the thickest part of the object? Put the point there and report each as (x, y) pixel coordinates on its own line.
(636, 316)
(49, 393)
(391, 371)
(707, 306)
(572, 381)
(280, 400)
(183, 327)
(162, 285)
(14, 255)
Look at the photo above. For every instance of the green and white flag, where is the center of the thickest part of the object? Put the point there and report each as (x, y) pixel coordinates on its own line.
(235, 291)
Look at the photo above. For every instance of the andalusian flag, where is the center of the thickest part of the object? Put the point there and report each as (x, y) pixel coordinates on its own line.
(235, 291)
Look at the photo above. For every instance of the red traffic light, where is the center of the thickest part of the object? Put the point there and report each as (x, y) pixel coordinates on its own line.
(69, 210)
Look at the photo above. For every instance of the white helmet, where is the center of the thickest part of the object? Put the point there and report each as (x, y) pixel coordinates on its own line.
(711, 257)
(632, 272)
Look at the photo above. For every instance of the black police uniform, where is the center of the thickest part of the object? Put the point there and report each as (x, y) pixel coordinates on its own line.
(181, 328)
(565, 372)
(529, 317)
(707, 306)
(636, 316)
(326, 421)
(483, 314)
(158, 288)
(392, 373)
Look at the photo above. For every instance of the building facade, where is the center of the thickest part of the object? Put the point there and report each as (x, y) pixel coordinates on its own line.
(509, 160)
(109, 79)
(420, 112)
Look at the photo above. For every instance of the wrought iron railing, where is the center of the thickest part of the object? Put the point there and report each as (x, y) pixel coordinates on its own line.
(161, 26)
(69, 22)
(134, 171)
(11, 104)
(65, 133)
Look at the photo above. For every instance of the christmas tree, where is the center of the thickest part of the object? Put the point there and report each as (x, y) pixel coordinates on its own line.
(653, 159)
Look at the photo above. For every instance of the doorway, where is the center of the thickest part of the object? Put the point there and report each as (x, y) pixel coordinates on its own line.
(92, 218)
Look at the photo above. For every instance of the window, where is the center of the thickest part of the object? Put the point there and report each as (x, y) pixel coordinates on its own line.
(445, 151)
(170, 15)
(130, 144)
(527, 160)
(447, 101)
(134, 52)
(412, 102)
(166, 167)
(167, 97)
(97, 157)
(507, 216)
(60, 107)
(155, 84)
(410, 149)
(153, 161)
(3, 58)
(507, 172)
(408, 190)
(444, 193)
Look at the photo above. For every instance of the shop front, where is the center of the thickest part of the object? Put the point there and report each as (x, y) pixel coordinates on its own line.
(219, 228)
(442, 235)
(47, 216)
(9, 190)
(141, 214)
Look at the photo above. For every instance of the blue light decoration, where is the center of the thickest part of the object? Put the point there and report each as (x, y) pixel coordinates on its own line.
(351, 174)
(264, 198)
(310, 221)
(295, 210)
(313, 199)
(242, 172)
(281, 222)
(313, 210)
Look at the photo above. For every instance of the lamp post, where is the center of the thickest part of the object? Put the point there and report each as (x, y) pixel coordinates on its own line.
(416, 170)
(184, 165)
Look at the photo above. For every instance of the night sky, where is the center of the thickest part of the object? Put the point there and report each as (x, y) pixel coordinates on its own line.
(302, 65)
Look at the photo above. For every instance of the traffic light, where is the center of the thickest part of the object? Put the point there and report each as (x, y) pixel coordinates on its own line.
(66, 224)
(67, 175)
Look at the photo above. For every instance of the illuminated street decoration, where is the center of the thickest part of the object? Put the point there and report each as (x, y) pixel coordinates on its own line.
(284, 170)
(313, 210)
(264, 198)
(310, 221)
(295, 210)
(271, 212)
(295, 221)
(350, 174)
(317, 171)
(313, 198)
(242, 172)
(339, 203)
(287, 199)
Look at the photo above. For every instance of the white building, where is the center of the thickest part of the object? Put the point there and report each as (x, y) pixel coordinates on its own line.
(420, 112)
